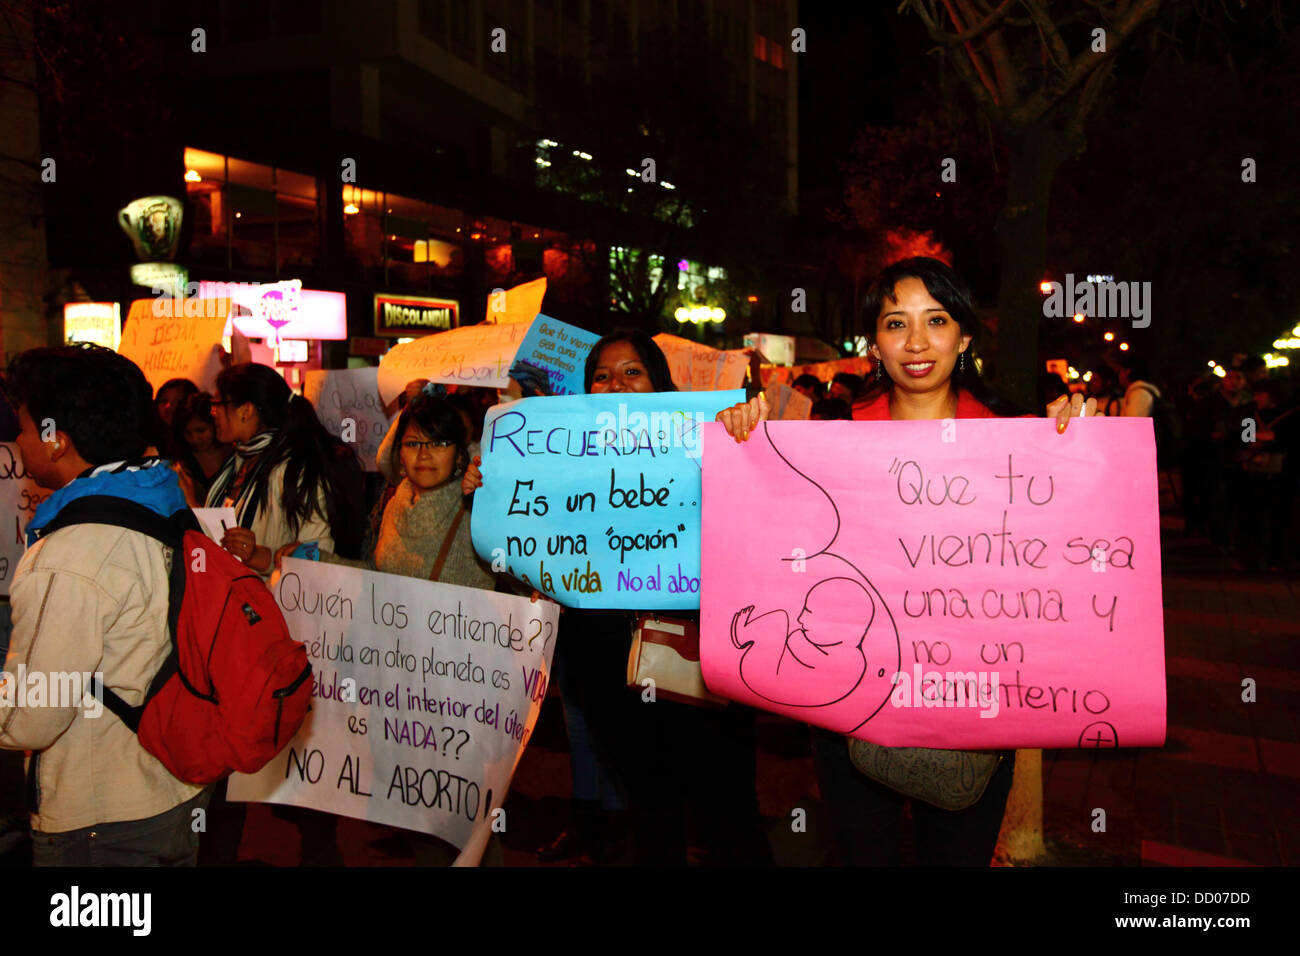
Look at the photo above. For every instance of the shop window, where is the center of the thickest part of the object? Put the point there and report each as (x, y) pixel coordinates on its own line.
(400, 242)
(251, 216)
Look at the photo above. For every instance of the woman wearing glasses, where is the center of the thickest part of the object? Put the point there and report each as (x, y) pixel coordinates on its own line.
(288, 479)
(419, 528)
(421, 516)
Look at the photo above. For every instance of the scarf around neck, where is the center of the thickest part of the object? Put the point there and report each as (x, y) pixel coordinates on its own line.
(412, 529)
(226, 476)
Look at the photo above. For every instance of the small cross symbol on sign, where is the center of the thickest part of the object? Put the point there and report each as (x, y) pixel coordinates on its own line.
(1098, 735)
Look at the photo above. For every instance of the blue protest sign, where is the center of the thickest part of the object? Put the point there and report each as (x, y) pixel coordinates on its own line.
(559, 348)
(595, 499)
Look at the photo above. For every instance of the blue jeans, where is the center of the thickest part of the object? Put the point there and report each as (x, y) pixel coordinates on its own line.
(591, 780)
(168, 839)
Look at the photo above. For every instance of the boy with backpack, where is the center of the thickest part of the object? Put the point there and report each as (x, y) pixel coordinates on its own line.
(92, 599)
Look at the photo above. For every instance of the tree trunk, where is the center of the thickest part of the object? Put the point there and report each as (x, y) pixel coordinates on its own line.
(1035, 153)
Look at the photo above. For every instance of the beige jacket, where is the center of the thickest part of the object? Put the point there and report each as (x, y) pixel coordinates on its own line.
(271, 524)
(89, 599)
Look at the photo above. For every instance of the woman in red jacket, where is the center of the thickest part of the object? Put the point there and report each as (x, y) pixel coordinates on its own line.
(924, 327)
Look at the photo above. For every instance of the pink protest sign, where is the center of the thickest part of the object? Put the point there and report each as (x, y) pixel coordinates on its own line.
(960, 584)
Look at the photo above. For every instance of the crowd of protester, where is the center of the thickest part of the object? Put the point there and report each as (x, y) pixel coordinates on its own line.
(1225, 444)
(93, 597)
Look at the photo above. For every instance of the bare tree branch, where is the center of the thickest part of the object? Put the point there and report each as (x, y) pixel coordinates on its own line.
(964, 36)
(1051, 37)
(1050, 94)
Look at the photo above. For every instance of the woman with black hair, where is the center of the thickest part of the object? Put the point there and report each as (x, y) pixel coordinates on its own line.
(422, 514)
(198, 456)
(924, 327)
(418, 528)
(289, 479)
(168, 398)
(670, 758)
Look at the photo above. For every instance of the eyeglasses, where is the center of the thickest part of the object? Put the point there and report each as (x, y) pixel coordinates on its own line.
(412, 445)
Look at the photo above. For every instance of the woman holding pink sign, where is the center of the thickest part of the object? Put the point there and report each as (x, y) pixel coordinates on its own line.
(924, 325)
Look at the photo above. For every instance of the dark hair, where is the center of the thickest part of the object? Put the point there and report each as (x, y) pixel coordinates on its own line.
(1137, 368)
(651, 355)
(948, 288)
(809, 380)
(468, 401)
(315, 458)
(951, 291)
(856, 384)
(187, 388)
(1051, 387)
(100, 399)
(438, 418)
(1104, 371)
(195, 406)
(831, 409)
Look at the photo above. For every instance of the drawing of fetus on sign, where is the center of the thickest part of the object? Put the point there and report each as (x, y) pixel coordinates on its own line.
(835, 667)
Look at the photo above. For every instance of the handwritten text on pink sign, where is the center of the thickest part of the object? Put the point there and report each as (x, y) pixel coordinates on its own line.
(958, 584)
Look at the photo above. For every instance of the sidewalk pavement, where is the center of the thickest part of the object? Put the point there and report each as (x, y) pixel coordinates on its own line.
(1225, 788)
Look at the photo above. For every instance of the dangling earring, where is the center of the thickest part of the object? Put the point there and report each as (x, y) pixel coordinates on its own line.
(878, 363)
(961, 365)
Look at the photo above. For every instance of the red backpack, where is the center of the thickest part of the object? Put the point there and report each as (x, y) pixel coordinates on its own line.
(235, 687)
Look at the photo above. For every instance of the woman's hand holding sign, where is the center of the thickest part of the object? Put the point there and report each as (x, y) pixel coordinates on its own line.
(1067, 407)
(739, 420)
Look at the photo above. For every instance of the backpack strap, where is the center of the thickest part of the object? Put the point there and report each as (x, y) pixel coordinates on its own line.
(446, 544)
(124, 513)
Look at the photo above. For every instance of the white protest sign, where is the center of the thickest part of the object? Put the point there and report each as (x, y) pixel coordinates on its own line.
(478, 355)
(348, 405)
(698, 368)
(211, 520)
(19, 498)
(424, 698)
